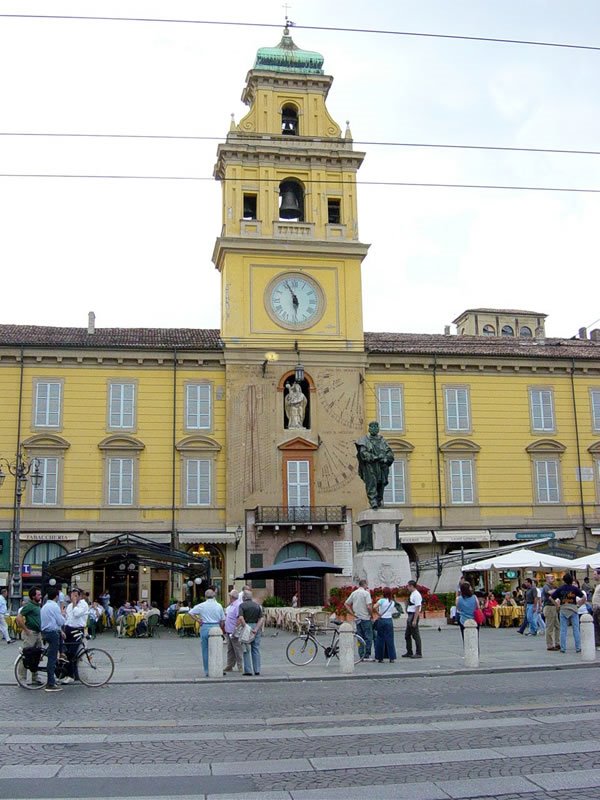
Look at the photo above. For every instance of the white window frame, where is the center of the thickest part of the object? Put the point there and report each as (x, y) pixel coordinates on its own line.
(394, 493)
(44, 416)
(547, 486)
(457, 422)
(298, 485)
(461, 481)
(118, 494)
(196, 494)
(46, 494)
(542, 413)
(196, 417)
(595, 409)
(390, 408)
(123, 417)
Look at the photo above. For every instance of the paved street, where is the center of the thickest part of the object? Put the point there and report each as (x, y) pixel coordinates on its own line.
(508, 735)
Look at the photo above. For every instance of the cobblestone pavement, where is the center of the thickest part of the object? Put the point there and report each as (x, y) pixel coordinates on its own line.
(463, 736)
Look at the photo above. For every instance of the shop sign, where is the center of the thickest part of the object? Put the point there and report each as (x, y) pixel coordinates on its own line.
(511, 573)
(26, 569)
(49, 537)
(524, 535)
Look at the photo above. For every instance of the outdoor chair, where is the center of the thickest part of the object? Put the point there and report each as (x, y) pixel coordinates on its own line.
(130, 625)
(153, 626)
(188, 626)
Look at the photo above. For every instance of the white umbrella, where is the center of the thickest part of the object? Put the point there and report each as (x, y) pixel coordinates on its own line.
(593, 560)
(518, 559)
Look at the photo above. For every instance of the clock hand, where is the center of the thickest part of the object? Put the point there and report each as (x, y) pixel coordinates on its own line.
(295, 301)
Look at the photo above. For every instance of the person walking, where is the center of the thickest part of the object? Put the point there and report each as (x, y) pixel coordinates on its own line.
(413, 612)
(76, 617)
(531, 605)
(251, 613)
(550, 613)
(360, 603)
(385, 627)
(568, 598)
(210, 613)
(3, 613)
(29, 620)
(234, 646)
(52, 622)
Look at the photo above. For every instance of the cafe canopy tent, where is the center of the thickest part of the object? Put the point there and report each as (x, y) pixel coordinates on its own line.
(593, 561)
(293, 568)
(519, 559)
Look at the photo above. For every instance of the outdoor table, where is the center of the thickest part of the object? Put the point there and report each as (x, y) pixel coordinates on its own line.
(506, 615)
(11, 622)
(182, 620)
(287, 617)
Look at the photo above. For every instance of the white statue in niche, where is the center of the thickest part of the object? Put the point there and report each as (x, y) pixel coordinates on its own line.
(295, 405)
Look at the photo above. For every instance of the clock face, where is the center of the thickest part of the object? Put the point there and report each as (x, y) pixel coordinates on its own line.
(294, 301)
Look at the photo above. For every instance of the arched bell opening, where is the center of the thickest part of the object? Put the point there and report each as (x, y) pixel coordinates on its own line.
(289, 120)
(291, 200)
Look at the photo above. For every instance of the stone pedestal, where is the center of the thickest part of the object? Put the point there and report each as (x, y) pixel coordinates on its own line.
(378, 561)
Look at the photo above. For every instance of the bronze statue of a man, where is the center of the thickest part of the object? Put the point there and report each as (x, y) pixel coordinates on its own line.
(374, 460)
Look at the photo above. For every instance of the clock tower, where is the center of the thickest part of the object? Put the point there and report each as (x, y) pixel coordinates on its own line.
(291, 314)
(288, 253)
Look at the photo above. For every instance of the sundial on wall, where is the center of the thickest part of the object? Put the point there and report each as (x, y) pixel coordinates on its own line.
(340, 395)
(337, 465)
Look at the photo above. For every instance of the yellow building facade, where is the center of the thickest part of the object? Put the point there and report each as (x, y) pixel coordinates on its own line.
(186, 438)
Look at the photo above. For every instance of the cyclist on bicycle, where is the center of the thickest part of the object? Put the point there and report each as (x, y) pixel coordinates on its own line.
(52, 632)
(76, 620)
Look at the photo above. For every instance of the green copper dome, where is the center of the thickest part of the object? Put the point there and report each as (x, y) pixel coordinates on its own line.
(287, 57)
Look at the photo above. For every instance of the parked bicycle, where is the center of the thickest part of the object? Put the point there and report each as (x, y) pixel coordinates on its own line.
(94, 666)
(303, 649)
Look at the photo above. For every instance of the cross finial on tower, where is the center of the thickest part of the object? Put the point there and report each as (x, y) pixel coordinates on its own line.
(288, 21)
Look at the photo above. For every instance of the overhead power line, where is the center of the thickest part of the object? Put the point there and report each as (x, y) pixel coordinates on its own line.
(426, 185)
(337, 29)
(262, 140)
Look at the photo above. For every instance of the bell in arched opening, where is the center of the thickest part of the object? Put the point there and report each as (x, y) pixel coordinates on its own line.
(291, 204)
(289, 121)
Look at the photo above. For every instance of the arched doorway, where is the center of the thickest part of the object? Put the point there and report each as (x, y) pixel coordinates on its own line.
(310, 591)
(33, 560)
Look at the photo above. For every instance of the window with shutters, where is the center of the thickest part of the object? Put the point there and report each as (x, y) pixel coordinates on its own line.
(390, 408)
(198, 482)
(198, 403)
(298, 483)
(595, 404)
(547, 480)
(395, 492)
(541, 403)
(121, 406)
(46, 494)
(47, 412)
(120, 481)
(457, 414)
(461, 481)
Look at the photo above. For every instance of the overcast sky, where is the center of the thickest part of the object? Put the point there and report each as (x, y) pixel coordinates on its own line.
(138, 252)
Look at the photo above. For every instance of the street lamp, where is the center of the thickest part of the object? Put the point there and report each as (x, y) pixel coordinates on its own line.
(20, 469)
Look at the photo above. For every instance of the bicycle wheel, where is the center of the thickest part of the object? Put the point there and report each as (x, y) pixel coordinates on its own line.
(302, 650)
(95, 667)
(21, 674)
(359, 647)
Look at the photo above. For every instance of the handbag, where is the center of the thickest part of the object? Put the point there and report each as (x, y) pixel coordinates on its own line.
(479, 616)
(398, 610)
(247, 634)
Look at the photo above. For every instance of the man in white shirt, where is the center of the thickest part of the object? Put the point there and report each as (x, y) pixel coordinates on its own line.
(413, 612)
(3, 612)
(360, 603)
(75, 622)
(210, 613)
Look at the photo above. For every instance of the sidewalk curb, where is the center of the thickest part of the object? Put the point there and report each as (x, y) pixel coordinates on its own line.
(444, 673)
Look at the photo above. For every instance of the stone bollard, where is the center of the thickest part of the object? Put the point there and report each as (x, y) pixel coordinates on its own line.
(347, 654)
(215, 653)
(471, 644)
(588, 645)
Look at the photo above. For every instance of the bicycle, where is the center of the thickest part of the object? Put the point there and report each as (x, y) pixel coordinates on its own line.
(303, 649)
(94, 666)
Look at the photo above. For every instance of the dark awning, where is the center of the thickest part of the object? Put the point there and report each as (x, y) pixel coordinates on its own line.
(128, 546)
(293, 568)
